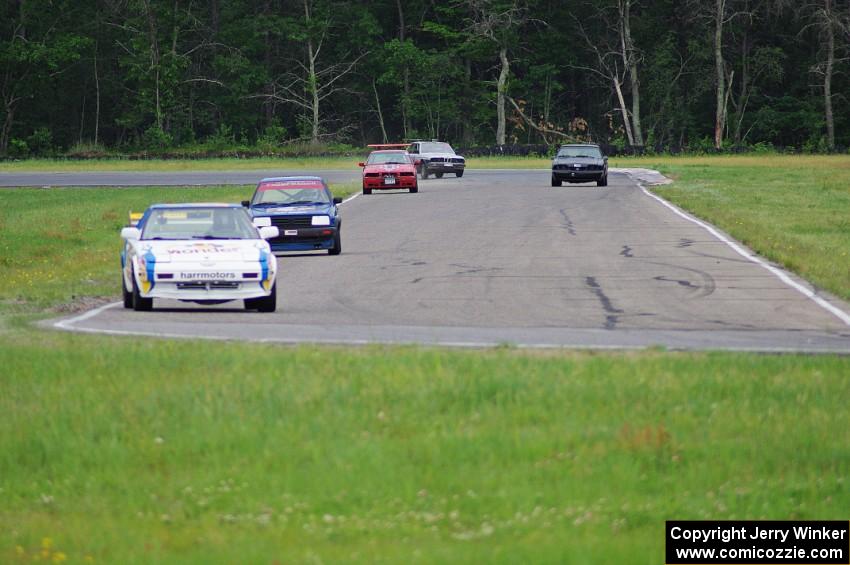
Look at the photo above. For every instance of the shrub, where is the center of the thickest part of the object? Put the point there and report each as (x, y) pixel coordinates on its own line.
(763, 147)
(272, 138)
(156, 138)
(221, 139)
(18, 148)
(41, 141)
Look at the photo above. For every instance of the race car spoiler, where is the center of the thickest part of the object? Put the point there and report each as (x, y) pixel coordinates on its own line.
(388, 145)
(134, 219)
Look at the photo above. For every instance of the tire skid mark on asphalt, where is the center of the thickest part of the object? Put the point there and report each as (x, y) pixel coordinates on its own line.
(473, 269)
(707, 288)
(681, 282)
(611, 318)
(719, 257)
(567, 223)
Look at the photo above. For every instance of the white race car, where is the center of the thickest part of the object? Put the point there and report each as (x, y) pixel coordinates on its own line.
(203, 253)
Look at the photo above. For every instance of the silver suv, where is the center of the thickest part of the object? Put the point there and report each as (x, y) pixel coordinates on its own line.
(436, 158)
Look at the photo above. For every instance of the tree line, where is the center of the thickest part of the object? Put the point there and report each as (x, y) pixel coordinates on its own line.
(661, 74)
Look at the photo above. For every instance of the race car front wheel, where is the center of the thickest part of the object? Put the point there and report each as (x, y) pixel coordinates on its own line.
(337, 248)
(140, 303)
(367, 190)
(265, 303)
(126, 294)
(414, 188)
(438, 175)
(459, 174)
(603, 181)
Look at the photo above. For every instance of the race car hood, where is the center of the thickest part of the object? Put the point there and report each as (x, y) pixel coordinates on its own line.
(208, 251)
(440, 155)
(301, 210)
(389, 168)
(579, 160)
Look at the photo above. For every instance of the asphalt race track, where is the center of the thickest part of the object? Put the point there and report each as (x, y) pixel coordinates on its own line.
(501, 257)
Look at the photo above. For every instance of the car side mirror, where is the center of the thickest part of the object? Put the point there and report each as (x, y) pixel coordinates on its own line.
(337, 200)
(130, 233)
(262, 222)
(269, 232)
(246, 203)
(361, 164)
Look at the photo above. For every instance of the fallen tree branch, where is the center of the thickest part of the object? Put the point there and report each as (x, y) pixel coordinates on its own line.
(543, 130)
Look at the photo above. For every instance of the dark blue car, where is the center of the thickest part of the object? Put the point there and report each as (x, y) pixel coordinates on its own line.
(303, 209)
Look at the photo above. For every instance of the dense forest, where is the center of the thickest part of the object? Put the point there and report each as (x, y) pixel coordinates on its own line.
(99, 75)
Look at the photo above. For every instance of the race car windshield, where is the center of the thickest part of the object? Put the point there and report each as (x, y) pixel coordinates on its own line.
(581, 151)
(388, 159)
(290, 196)
(199, 223)
(437, 148)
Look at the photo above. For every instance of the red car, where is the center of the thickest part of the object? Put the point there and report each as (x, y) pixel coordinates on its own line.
(389, 169)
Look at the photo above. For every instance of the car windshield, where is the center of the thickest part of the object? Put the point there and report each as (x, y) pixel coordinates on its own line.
(580, 151)
(199, 223)
(290, 194)
(388, 159)
(436, 148)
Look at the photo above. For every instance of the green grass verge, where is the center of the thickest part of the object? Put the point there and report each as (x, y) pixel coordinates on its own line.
(59, 245)
(139, 451)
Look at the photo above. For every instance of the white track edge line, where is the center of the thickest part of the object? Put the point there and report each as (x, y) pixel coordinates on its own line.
(743, 252)
(68, 323)
(352, 197)
(439, 343)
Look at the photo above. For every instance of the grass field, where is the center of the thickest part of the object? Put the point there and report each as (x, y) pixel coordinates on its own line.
(123, 450)
(139, 451)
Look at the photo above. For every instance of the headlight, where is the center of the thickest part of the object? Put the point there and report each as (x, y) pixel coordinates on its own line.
(321, 220)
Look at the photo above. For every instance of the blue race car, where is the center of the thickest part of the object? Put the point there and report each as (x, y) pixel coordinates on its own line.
(304, 211)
